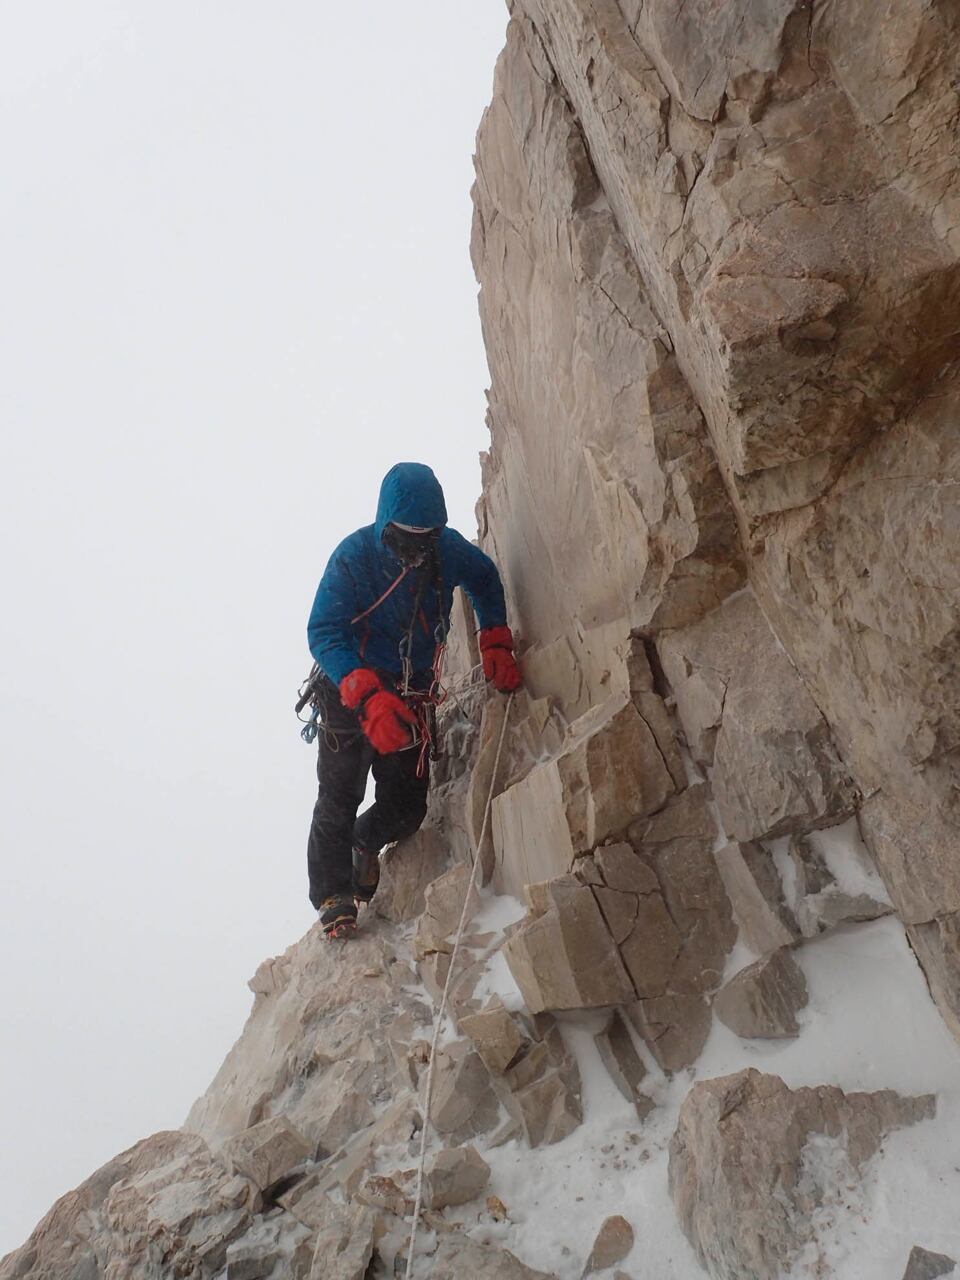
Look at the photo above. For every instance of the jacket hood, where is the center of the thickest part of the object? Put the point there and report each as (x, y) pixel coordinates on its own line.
(411, 494)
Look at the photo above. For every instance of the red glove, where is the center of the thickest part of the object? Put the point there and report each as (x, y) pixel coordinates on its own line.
(386, 719)
(499, 664)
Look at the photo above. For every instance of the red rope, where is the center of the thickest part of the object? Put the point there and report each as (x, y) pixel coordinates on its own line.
(377, 603)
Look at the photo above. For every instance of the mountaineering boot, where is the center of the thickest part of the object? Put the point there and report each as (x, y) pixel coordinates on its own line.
(338, 916)
(366, 873)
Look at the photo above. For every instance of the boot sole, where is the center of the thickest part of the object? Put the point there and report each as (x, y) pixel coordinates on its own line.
(340, 931)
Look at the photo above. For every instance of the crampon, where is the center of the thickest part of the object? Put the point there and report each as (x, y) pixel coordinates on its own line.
(338, 917)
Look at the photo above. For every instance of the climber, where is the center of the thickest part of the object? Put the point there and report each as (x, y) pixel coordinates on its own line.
(376, 632)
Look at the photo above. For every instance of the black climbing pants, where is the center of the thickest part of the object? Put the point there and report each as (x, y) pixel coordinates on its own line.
(345, 758)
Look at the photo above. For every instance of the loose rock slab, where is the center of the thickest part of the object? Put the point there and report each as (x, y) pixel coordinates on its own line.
(458, 1257)
(924, 1265)
(762, 1001)
(455, 1176)
(614, 1241)
(268, 1151)
(741, 1188)
(344, 1243)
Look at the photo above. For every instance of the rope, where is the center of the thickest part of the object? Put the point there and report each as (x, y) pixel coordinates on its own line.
(418, 1203)
(377, 603)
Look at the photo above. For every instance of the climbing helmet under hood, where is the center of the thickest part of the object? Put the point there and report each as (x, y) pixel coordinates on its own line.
(411, 494)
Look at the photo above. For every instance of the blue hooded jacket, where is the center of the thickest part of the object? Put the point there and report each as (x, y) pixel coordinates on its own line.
(362, 569)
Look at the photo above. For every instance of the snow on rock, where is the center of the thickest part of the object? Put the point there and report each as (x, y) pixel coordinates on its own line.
(755, 1165)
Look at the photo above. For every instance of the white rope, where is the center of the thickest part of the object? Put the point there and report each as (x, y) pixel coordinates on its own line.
(418, 1203)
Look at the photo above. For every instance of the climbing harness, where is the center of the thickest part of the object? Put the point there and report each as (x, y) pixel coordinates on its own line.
(423, 702)
(441, 1012)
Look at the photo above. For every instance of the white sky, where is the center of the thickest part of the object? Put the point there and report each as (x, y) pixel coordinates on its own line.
(235, 290)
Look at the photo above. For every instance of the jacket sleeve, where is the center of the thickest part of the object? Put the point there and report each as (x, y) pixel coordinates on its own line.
(478, 576)
(329, 634)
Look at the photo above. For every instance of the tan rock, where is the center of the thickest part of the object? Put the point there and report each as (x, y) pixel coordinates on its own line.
(697, 309)
(458, 1256)
(678, 841)
(762, 1001)
(406, 870)
(624, 1064)
(481, 781)
(495, 1034)
(621, 869)
(675, 1027)
(652, 947)
(455, 1177)
(444, 901)
(755, 890)
(347, 1168)
(167, 1193)
(737, 1156)
(775, 768)
(610, 770)
(915, 847)
(614, 1241)
(548, 1110)
(344, 1243)
(937, 947)
(463, 1104)
(256, 1254)
(271, 976)
(638, 535)
(566, 958)
(434, 968)
(267, 1152)
(330, 1011)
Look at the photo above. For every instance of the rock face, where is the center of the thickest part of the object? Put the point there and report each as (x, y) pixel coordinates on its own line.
(749, 717)
(714, 363)
(168, 1197)
(751, 1160)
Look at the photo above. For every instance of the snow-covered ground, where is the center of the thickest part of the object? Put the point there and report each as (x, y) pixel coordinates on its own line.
(869, 1024)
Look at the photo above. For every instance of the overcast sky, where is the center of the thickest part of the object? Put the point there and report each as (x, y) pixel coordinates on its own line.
(235, 289)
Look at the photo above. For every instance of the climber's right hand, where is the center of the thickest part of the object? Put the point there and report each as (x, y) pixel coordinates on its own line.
(387, 721)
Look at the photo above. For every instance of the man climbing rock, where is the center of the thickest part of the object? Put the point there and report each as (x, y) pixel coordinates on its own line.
(376, 632)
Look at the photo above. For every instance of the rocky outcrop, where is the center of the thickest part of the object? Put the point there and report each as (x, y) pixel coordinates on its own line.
(643, 923)
(168, 1200)
(751, 1160)
(705, 334)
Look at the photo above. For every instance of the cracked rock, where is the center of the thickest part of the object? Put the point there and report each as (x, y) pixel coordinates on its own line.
(565, 958)
(762, 1001)
(744, 1190)
(495, 1035)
